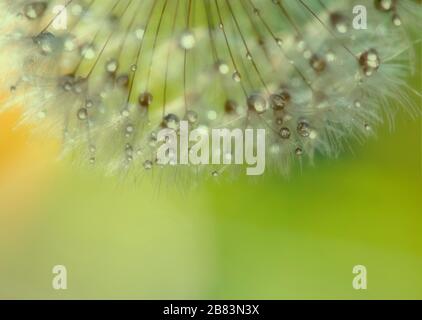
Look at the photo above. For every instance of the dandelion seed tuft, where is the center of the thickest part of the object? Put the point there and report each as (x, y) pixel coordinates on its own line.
(120, 71)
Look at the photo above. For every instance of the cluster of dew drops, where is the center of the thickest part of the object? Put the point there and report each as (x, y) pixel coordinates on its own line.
(259, 103)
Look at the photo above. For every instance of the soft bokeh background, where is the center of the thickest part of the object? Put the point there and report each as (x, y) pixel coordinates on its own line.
(274, 238)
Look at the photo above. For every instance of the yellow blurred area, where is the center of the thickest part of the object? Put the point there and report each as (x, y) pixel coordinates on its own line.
(25, 166)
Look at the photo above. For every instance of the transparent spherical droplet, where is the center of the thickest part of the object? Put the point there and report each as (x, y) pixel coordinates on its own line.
(230, 107)
(89, 104)
(148, 165)
(187, 40)
(280, 100)
(318, 63)
(339, 22)
(223, 68)
(125, 113)
(257, 103)
(236, 76)
(122, 80)
(88, 51)
(129, 149)
(152, 139)
(145, 99)
(47, 42)
(303, 129)
(384, 5)
(112, 65)
(82, 114)
(35, 10)
(67, 85)
(285, 133)
(397, 20)
(129, 129)
(80, 85)
(369, 62)
(171, 121)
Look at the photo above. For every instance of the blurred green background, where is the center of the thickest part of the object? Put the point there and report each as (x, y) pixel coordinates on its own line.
(275, 238)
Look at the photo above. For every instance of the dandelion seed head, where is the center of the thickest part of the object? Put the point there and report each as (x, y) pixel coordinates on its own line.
(122, 70)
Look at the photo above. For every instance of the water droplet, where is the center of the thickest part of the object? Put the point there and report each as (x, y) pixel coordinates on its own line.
(236, 76)
(145, 99)
(397, 20)
(285, 133)
(129, 129)
(318, 63)
(223, 68)
(47, 42)
(257, 103)
(35, 10)
(369, 62)
(280, 101)
(339, 22)
(128, 149)
(148, 165)
(171, 121)
(230, 106)
(122, 80)
(112, 65)
(89, 104)
(187, 40)
(303, 128)
(87, 51)
(82, 114)
(384, 5)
